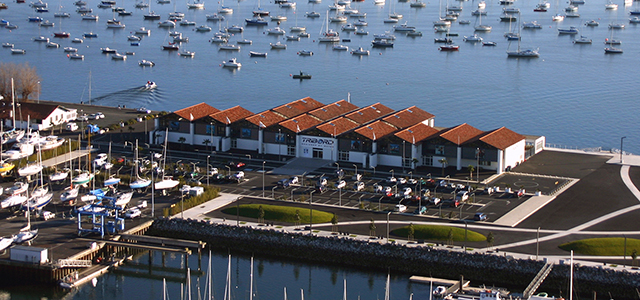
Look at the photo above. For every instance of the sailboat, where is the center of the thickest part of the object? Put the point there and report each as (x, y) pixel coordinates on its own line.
(227, 287)
(112, 179)
(61, 33)
(41, 196)
(85, 176)
(138, 182)
(71, 192)
(17, 195)
(297, 28)
(328, 35)
(60, 175)
(167, 182)
(522, 53)
(481, 27)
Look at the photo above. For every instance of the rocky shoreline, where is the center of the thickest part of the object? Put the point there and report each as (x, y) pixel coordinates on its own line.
(488, 269)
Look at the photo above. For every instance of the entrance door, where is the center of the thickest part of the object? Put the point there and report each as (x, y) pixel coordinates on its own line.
(317, 153)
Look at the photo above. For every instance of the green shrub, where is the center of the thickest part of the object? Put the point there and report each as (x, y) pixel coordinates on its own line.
(209, 193)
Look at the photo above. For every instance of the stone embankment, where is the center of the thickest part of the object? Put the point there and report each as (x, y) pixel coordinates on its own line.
(487, 269)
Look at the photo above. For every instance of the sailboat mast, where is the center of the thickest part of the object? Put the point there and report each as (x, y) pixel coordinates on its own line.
(571, 278)
(13, 105)
(251, 284)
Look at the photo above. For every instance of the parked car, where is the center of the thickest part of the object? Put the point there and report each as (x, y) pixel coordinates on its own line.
(462, 196)
(99, 115)
(322, 181)
(294, 180)
(402, 180)
(213, 171)
(144, 110)
(480, 217)
(341, 184)
(236, 165)
(435, 201)
(93, 117)
(82, 118)
(132, 213)
(400, 208)
(420, 210)
(284, 183)
(358, 186)
(407, 191)
(46, 215)
(72, 126)
(238, 176)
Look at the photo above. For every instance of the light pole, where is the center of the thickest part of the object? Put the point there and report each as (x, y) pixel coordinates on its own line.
(263, 162)
(537, 243)
(208, 172)
(478, 165)
(411, 175)
(211, 133)
(311, 211)
(182, 204)
(229, 170)
(465, 236)
(39, 91)
(625, 250)
(292, 190)
(389, 213)
(621, 140)
(238, 211)
(420, 196)
(279, 140)
(273, 192)
(356, 166)
(337, 167)
(392, 173)
(153, 191)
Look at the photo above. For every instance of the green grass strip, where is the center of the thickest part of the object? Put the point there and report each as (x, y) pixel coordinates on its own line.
(439, 233)
(278, 213)
(611, 246)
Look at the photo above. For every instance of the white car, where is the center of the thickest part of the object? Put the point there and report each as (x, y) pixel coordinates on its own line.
(462, 196)
(294, 180)
(132, 213)
(392, 179)
(358, 186)
(213, 171)
(72, 126)
(402, 180)
(99, 115)
(82, 118)
(100, 160)
(400, 208)
(341, 184)
(407, 191)
(144, 110)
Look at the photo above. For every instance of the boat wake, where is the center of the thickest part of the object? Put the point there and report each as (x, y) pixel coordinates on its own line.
(140, 96)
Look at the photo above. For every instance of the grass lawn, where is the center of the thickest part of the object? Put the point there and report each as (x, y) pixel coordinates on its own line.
(602, 246)
(439, 233)
(278, 213)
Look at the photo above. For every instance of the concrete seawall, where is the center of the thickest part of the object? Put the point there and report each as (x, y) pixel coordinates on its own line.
(485, 269)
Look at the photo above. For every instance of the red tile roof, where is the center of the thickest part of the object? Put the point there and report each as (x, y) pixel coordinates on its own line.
(369, 113)
(197, 111)
(501, 138)
(28, 109)
(338, 126)
(376, 130)
(461, 133)
(298, 107)
(300, 123)
(265, 119)
(408, 117)
(417, 133)
(333, 110)
(231, 115)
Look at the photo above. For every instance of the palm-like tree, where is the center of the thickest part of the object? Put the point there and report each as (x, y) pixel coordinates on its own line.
(182, 140)
(443, 162)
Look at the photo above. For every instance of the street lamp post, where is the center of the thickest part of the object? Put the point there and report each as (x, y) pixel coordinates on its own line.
(420, 196)
(392, 173)
(229, 170)
(478, 164)
(238, 211)
(465, 235)
(39, 91)
(356, 166)
(208, 172)
(411, 175)
(182, 204)
(621, 141)
(337, 167)
(273, 192)
(263, 162)
(537, 243)
(279, 140)
(389, 213)
(311, 211)
(152, 189)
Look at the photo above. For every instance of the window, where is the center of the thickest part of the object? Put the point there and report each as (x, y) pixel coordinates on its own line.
(210, 129)
(439, 150)
(484, 163)
(356, 146)
(317, 152)
(291, 150)
(174, 125)
(245, 133)
(280, 138)
(394, 149)
(427, 160)
(234, 143)
(343, 155)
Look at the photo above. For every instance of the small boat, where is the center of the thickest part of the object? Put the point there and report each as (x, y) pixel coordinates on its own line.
(5, 242)
(90, 18)
(634, 20)
(231, 63)
(187, 23)
(77, 41)
(26, 236)
(417, 4)
(84, 10)
(186, 53)
(292, 38)
(41, 39)
(540, 8)
(464, 22)
(304, 34)
(570, 30)
(7, 45)
(146, 63)
(76, 56)
(225, 10)
(17, 188)
(340, 47)
(301, 76)
(215, 17)
(616, 26)
(256, 21)
(491, 44)
(235, 28)
(312, 14)
(46, 23)
(52, 45)
(50, 142)
(82, 178)
(35, 19)
(557, 18)
(360, 51)
(133, 38)
(59, 176)
(203, 28)
(229, 47)
(118, 56)
(276, 31)
(473, 38)
(349, 27)
(287, 4)
(11, 26)
(195, 5)
(171, 47)
(13, 200)
(448, 48)
(70, 49)
(167, 24)
(531, 25)
(479, 12)
(151, 16)
(382, 43)
(592, 23)
(612, 50)
(18, 51)
(404, 28)
(582, 40)
(244, 42)
(150, 85)
(278, 45)
(115, 24)
(305, 53)
(257, 54)
(278, 18)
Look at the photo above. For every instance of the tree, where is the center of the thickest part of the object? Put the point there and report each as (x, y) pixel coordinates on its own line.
(25, 80)
(334, 223)
(297, 218)
(131, 129)
(471, 169)
(182, 140)
(260, 214)
(372, 228)
(206, 142)
(450, 237)
(490, 239)
(411, 232)
(443, 162)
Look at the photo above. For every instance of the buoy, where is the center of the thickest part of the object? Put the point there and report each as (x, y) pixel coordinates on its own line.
(290, 75)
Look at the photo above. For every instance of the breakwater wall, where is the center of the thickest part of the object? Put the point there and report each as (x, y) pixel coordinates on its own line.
(488, 269)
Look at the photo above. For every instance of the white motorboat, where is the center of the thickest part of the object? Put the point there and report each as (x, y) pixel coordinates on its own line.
(231, 63)
(557, 18)
(404, 28)
(146, 63)
(18, 151)
(5, 242)
(312, 14)
(292, 38)
(531, 25)
(17, 188)
(29, 170)
(59, 176)
(75, 56)
(90, 18)
(305, 53)
(13, 135)
(142, 31)
(340, 47)
(118, 56)
(203, 28)
(167, 182)
(473, 38)
(185, 53)
(140, 183)
(257, 54)
(582, 40)
(616, 26)
(278, 46)
(150, 85)
(278, 18)
(13, 200)
(167, 24)
(70, 193)
(195, 5)
(235, 28)
(570, 30)
(229, 47)
(360, 51)
(70, 49)
(276, 31)
(215, 17)
(122, 199)
(51, 142)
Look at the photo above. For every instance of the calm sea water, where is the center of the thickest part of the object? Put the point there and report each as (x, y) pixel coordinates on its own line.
(573, 94)
(136, 281)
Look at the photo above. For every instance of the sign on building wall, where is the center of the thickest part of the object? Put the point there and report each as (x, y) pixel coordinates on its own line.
(317, 142)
